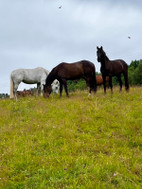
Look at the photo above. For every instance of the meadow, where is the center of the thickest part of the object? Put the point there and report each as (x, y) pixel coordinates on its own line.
(76, 142)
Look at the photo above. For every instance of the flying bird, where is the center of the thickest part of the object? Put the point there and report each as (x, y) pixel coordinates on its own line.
(60, 7)
(129, 37)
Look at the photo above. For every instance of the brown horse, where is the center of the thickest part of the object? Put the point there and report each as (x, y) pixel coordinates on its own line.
(112, 68)
(24, 93)
(71, 71)
(99, 79)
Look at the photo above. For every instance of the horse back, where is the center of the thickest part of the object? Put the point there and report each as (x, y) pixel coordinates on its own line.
(74, 70)
(29, 76)
(115, 67)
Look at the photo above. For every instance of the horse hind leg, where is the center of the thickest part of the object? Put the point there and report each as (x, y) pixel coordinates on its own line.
(15, 90)
(61, 88)
(120, 82)
(92, 87)
(126, 81)
(89, 84)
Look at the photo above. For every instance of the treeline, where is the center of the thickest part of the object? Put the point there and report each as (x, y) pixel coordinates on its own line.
(4, 95)
(135, 72)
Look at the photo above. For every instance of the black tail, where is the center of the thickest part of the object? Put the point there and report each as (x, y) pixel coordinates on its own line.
(125, 74)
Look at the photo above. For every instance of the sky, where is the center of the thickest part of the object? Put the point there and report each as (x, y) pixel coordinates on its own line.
(44, 33)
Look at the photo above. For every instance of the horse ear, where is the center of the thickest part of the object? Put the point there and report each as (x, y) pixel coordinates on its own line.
(97, 47)
(101, 48)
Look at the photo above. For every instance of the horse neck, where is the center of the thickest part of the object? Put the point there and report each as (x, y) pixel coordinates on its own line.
(50, 78)
(104, 61)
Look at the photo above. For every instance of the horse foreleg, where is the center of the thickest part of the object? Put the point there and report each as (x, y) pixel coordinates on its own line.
(41, 87)
(38, 88)
(104, 83)
(66, 88)
(61, 88)
(15, 95)
(110, 83)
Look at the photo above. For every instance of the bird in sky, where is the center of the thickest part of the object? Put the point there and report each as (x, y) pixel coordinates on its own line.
(60, 7)
(129, 37)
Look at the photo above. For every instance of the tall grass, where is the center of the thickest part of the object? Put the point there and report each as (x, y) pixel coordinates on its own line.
(76, 142)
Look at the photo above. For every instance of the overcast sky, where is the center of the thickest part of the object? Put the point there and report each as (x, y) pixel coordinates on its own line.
(37, 33)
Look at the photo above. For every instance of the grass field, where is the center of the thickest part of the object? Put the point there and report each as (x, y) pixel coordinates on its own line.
(77, 142)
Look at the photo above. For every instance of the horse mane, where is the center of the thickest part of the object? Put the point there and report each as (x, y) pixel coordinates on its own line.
(47, 72)
(104, 55)
(50, 78)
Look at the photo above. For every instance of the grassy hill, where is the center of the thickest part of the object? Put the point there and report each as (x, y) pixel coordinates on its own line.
(76, 142)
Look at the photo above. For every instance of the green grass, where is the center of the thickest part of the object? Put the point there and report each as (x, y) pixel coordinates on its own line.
(77, 142)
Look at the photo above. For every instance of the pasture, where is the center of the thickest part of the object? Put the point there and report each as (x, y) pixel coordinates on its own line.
(76, 142)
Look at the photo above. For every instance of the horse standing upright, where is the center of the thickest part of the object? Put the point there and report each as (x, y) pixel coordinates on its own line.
(71, 71)
(112, 68)
(28, 76)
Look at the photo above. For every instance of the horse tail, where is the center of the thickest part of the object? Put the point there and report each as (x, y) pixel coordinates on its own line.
(11, 88)
(125, 73)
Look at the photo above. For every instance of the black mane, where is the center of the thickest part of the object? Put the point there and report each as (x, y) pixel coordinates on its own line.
(50, 78)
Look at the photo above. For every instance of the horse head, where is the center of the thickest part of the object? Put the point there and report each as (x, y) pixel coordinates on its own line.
(100, 53)
(47, 90)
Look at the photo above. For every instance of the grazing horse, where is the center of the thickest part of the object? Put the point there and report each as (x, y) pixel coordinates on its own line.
(99, 80)
(71, 71)
(28, 76)
(112, 68)
(24, 93)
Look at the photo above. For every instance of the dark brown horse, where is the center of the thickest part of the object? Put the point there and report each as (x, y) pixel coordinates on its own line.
(71, 71)
(112, 68)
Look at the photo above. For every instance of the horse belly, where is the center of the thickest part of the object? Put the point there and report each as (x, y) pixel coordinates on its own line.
(30, 81)
(33, 77)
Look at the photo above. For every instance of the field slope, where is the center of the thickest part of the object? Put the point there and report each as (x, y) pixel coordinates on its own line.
(76, 142)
